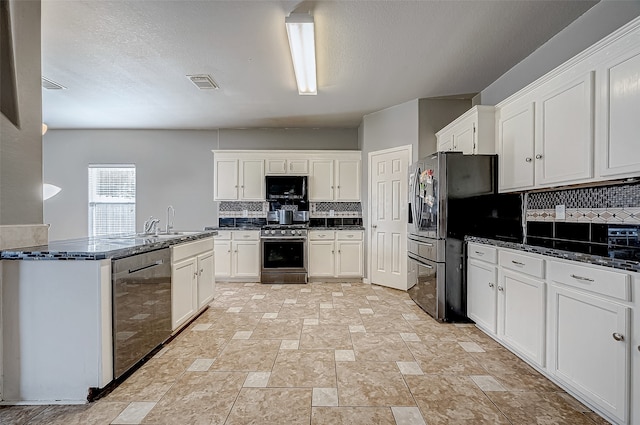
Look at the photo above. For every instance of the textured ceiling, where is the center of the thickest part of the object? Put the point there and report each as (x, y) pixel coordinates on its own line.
(124, 62)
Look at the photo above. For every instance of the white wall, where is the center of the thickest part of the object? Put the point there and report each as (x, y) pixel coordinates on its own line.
(595, 24)
(173, 167)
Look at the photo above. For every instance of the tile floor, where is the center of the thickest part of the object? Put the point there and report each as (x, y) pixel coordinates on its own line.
(325, 353)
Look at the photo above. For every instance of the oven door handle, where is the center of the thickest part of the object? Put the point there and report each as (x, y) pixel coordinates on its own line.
(270, 238)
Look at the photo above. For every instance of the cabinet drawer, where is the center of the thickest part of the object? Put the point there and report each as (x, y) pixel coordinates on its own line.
(482, 252)
(191, 249)
(343, 235)
(223, 235)
(320, 235)
(246, 235)
(604, 282)
(522, 263)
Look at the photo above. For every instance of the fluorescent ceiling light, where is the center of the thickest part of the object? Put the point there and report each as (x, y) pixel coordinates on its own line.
(303, 51)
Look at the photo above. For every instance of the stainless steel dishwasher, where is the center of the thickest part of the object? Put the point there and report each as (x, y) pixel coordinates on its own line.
(141, 306)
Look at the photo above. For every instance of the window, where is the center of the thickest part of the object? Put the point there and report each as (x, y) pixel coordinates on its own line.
(112, 199)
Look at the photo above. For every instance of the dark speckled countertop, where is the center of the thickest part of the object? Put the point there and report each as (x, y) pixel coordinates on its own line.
(616, 263)
(336, 228)
(100, 248)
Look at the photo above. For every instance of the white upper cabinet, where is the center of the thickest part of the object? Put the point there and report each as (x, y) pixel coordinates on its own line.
(298, 167)
(471, 133)
(348, 180)
(334, 180)
(564, 131)
(516, 146)
(576, 124)
(238, 179)
(321, 184)
(618, 103)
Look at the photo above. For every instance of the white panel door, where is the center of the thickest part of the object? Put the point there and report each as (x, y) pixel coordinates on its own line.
(225, 185)
(388, 186)
(246, 259)
(252, 180)
(617, 109)
(347, 180)
(206, 278)
(183, 291)
(522, 313)
(515, 147)
(564, 133)
(482, 279)
(222, 258)
(321, 258)
(321, 180)
(349, 259)
(590, 348)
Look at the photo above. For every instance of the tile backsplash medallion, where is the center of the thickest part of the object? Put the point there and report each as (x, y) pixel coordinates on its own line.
(606, 204)
(233, 209)
(340, 209)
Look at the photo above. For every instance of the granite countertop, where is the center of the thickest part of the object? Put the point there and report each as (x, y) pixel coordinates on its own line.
(233, 228)
(616, 263)
(104, 247)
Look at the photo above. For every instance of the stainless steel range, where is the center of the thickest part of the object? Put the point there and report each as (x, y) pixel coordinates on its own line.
(283, 253)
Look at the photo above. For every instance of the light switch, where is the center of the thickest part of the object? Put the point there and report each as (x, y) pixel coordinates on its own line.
(332, 213)
(561, 212)
(245, 213)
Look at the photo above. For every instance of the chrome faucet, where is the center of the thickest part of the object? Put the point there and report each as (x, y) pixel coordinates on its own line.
(171, 215)
(151, 226)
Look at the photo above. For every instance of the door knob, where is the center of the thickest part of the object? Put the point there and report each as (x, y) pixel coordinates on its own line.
(538, 156)
(500, 288)
(528, 159)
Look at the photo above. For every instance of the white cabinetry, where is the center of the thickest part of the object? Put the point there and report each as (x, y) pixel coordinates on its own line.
(471, 133)
(547, 138)
(238, 179)
(334, 180)
(192, 279)
(237, 255)
(482, 279)
(589, 334)
(335, 253)
(617, 106)
(298, 167)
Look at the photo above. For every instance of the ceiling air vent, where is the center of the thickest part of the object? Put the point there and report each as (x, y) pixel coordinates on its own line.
(203, 81)
(51, 85)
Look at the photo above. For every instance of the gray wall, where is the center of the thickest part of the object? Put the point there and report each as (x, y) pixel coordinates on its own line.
(172, 168)
(598, 22)
(21, 147)
(436, 114)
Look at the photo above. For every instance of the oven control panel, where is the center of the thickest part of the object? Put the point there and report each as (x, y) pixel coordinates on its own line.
(283, 231)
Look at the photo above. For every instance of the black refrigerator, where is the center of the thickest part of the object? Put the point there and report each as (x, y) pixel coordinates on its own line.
(451, 195)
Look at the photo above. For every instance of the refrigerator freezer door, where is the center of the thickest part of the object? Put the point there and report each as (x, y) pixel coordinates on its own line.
(428, 286)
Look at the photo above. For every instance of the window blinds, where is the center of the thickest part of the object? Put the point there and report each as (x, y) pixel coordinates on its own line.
(112, 199)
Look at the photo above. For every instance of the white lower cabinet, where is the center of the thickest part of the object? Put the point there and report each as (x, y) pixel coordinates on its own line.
(575, 322)
(237, 255)
(335, 254)
(192, 279)
(522, 303)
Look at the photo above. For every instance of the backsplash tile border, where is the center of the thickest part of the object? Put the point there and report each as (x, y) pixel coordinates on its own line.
(588, 215)
(340, 209)
(606, 197)
(234, 209)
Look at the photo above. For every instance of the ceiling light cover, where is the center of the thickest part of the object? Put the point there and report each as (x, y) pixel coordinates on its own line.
(300, 30)
(49, 191)
(51, 85)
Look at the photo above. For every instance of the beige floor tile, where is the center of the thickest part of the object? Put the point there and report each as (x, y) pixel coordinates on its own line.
(487, 383)
(19, 415)
(278, 329)
(371, 384)
(134, 413)
(198, 398)
(247, 356)
(198, 344)
(409, 368)
(291, 406)
(290, 344)
(407, 416)
(345, 356)
(380, 347)
(257, 380)
(298, 311)
(326, 337)
(386, 323)
(444, 357)
(530, 407)
(597, 419)
(97, 413)
(304, 368)
(151, 381)
(324, 397)
(446, 399)
(352, 415)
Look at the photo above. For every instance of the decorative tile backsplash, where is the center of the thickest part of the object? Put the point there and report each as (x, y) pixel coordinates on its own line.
(340, 209)
(232, 209)
(606, 204)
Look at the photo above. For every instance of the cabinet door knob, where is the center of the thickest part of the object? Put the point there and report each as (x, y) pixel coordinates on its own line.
(491, 285)
(538, 156)
(333, 252)
(528, 159)
(618, 337)
(374, 226)
(500, 288)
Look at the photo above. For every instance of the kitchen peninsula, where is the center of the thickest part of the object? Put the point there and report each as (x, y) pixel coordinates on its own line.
(79, 313)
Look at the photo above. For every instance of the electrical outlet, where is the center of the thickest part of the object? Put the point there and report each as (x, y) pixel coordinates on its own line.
(245, 213)
(332, 213)
(561, 212)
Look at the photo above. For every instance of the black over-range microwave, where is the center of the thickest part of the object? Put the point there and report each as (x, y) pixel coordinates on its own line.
(286, 187)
